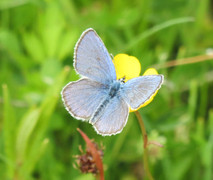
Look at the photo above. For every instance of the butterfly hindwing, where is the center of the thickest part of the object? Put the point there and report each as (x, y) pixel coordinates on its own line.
(113, 118)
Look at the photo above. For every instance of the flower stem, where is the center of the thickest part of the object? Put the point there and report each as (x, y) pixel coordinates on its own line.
(145, 139)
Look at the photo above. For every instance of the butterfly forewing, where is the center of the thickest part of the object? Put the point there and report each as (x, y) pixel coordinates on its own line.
(92, 59)
(82, 98)
(138, 90)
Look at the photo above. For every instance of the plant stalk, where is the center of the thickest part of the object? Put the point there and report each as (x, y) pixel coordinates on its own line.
(145, 139)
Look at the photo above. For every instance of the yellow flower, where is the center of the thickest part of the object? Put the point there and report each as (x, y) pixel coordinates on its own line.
(130, 67)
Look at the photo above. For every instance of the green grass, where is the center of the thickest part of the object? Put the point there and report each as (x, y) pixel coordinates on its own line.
(38, 138)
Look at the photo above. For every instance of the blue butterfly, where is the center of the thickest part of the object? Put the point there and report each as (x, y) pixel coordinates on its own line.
(98, 97)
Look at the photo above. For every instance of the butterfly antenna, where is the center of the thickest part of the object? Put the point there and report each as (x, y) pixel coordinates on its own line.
(111, 55)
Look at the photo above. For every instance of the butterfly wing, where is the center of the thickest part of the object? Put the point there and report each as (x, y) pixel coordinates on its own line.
(138, 90)
(81, 98)
(91, 58)
(113, 118)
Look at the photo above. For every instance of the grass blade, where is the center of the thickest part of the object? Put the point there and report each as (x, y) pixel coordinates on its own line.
(155, 29)
(8, 130)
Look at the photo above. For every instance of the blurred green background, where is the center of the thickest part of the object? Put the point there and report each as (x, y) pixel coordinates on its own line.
(38, 137)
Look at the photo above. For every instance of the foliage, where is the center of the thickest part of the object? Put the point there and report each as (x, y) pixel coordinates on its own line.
(38, 138)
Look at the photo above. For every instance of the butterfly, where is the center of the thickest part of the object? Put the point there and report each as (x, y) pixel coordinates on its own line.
(99, 97)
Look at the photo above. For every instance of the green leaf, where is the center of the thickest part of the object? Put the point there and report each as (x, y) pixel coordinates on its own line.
(34, 46)
(50, 70)
(9, 125)
(67, 42)
(51, 27)
(181, 167)
(9, 41)
(25, 129)
(46, 110)
(193, 99)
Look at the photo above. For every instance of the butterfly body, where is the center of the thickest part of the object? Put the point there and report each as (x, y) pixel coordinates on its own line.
(114, 90)
(99, 97)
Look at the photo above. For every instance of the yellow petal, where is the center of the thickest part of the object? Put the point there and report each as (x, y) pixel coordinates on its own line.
(126, 66)
(150, 71)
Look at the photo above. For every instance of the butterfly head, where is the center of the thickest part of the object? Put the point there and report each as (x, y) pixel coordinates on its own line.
(122, 80)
